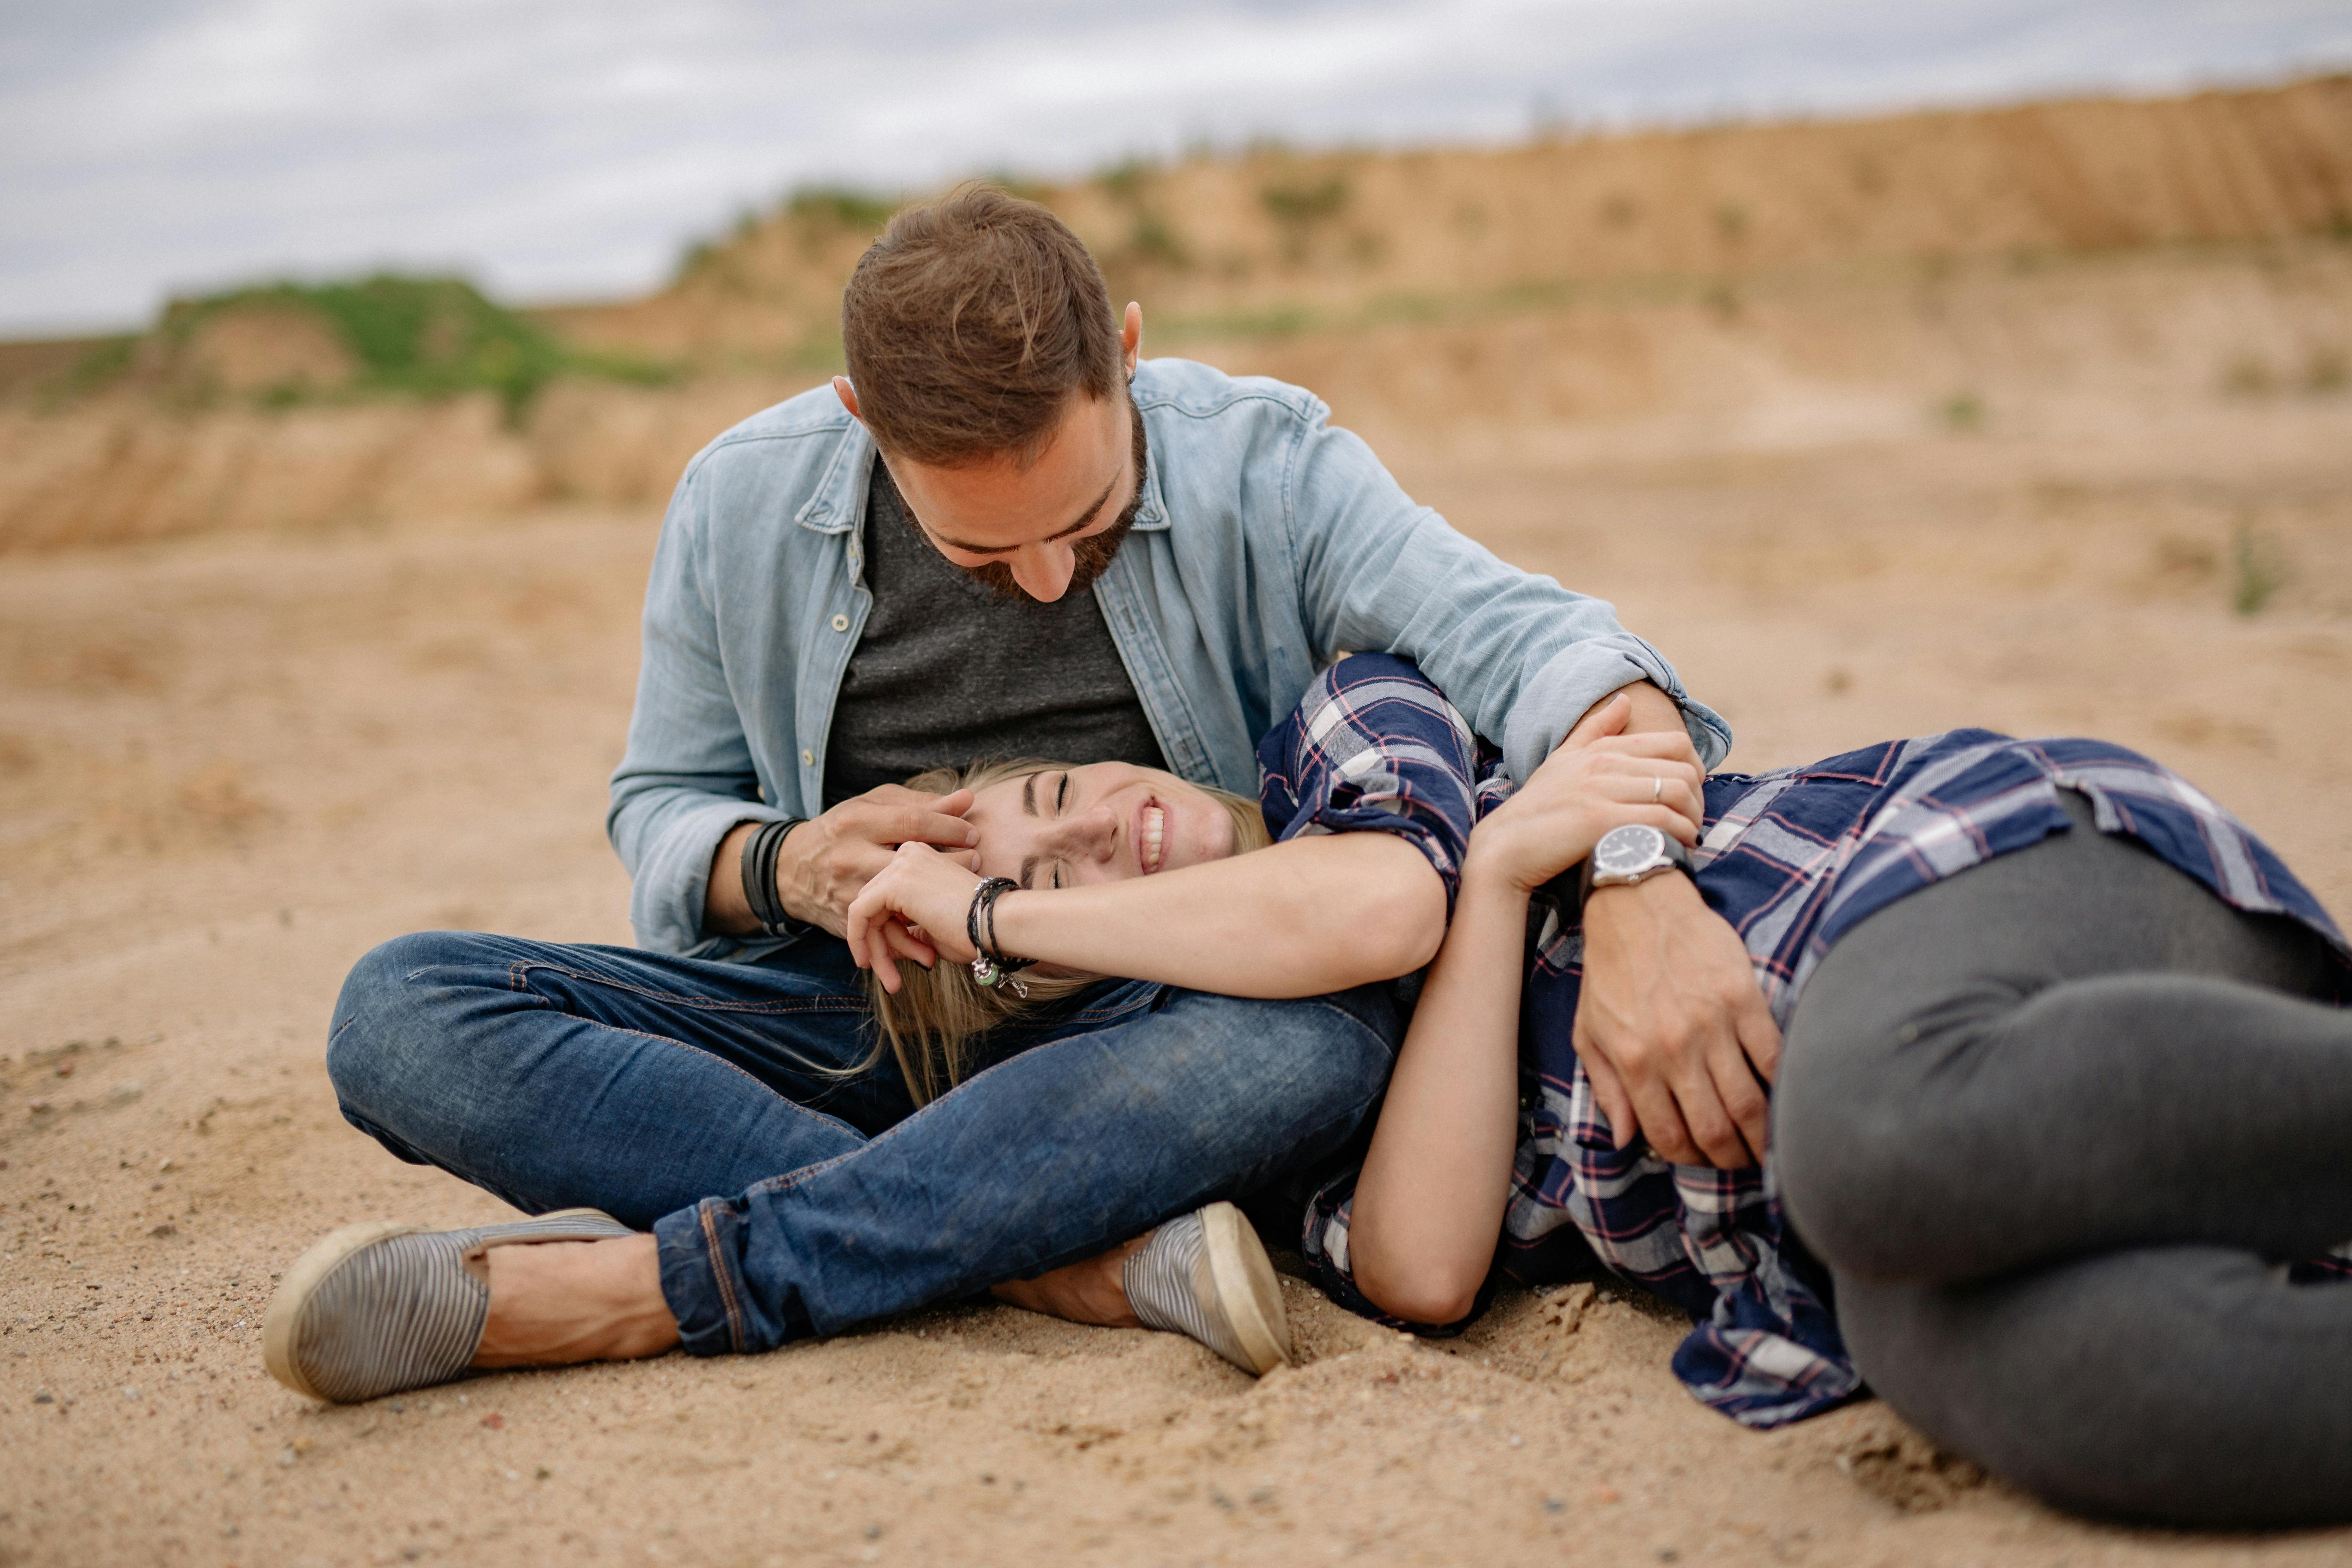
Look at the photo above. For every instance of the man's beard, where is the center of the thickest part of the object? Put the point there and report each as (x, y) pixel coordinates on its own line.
(1094, 550)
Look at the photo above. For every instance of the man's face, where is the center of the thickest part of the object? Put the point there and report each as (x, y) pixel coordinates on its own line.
(1046, 528)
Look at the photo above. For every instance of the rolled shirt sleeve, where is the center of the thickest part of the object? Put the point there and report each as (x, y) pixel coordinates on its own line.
(1580, 675)
(1374, 748)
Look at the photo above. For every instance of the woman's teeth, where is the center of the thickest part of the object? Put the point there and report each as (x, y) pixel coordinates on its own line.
(1155, 825)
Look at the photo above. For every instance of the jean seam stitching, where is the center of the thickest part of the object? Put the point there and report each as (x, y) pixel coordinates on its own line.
(517, 972)
(1096, 1013)
(790, 1179)
(726, 1281)
(835, 1004)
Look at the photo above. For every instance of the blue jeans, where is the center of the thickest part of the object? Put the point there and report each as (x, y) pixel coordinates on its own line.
(694, 1099)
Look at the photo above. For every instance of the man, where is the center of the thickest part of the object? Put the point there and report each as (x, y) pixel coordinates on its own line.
(1003, 531)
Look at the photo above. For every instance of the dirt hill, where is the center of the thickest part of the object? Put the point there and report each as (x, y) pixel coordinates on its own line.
(1750, 284)
(1274, 239)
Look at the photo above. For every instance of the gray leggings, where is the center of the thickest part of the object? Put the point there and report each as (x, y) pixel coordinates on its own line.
(2051, 1124)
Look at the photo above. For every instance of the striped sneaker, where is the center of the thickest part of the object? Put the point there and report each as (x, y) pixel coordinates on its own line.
(381, 1308)
(1207, 1275)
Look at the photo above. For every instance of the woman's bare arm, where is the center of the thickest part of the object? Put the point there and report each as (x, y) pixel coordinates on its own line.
(1429, 1202)
(1306, 917)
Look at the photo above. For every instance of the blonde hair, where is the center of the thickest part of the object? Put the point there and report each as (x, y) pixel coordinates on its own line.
(940, 1012)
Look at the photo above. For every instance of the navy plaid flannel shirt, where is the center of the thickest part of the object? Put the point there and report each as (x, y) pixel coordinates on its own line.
(1792, 859)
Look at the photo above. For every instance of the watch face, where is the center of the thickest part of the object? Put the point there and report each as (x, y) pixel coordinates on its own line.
(1629, 848)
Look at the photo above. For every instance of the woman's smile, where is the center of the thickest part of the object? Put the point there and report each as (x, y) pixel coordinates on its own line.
(1150, 826)
(1104, 822)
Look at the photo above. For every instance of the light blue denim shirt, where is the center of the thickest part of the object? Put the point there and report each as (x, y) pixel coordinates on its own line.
(1267, 543)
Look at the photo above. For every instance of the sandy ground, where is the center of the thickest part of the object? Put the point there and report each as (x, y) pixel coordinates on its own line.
(228, 768)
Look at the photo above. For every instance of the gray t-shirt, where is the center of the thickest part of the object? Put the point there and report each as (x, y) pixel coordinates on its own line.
(947, 670)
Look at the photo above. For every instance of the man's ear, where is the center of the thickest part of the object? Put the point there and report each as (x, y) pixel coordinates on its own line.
(1131, 338)
(848, 395)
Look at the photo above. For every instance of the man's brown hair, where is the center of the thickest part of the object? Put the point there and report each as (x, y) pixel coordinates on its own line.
(967, 326)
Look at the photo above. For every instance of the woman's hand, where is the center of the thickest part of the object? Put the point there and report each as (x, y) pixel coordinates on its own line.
(914, 908)
(1610, 780)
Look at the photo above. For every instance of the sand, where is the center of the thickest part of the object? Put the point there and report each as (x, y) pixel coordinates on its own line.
(230, 765)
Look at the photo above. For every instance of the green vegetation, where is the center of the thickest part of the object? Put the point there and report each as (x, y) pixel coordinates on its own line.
(1301, 209)
(1011, 184)
(1279, 322)
(1302, 205)
(2256, 572)
(1124, 180)
(1154, 241)
(820, 352)
(816, 211)
(1151, 240)
(419, 337)
(107, 362)
(415, 337)
(1963, 411)
(843, 205)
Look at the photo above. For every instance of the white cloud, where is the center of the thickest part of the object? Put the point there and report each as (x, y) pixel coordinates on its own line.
(566, 147)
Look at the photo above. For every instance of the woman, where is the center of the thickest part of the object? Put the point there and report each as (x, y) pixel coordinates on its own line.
(2049, 1106)
(2069, 1130)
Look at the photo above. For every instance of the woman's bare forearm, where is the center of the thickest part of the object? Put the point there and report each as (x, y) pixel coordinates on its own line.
(1301, 919)
(1429, 1203)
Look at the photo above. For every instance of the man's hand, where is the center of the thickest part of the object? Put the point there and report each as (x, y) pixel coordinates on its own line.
(1671, 1026)
(827, 861)
(826, 864)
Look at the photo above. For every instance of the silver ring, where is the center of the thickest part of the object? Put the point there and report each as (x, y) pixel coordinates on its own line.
(1658, 788)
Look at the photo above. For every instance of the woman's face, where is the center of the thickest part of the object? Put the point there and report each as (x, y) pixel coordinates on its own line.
(1101, 823)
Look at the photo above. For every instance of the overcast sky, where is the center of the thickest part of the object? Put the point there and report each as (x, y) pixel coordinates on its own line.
(568, 148)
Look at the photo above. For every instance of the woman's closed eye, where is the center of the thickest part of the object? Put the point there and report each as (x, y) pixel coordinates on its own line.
(1061, 803)
(1029, 793)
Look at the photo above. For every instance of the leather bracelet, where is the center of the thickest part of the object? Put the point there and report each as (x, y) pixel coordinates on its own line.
(751, 872)
(989, 966)
(759, 873)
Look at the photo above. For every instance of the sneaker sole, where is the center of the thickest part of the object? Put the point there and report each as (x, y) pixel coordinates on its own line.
(302, 1279)
(1247, 1288)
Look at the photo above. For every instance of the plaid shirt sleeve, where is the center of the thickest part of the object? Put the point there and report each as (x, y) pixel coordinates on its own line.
(1374, 747)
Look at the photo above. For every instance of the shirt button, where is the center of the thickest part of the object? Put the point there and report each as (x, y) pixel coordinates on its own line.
(808, 759)
(841, 623)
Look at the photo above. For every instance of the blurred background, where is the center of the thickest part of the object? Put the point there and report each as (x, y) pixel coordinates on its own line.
(565, 150)
(1892, 367)
(269, 255)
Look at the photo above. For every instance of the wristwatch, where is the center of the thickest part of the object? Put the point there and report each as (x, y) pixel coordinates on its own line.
(1633, 852)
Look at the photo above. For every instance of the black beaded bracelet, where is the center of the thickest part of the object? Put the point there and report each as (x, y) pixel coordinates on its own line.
(989, 966)
(758, 871)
